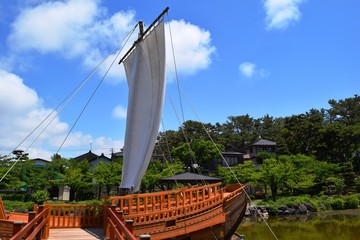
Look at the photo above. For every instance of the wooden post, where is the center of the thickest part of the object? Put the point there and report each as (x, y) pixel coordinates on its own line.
(40, 233)
(31, 216)
(107, 223)
(40, 209)
(113, 208)
(119, 215)
(129, 223)
(145, 237)
(17, 227)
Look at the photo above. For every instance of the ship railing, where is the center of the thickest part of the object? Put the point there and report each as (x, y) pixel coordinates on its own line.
(168, 205)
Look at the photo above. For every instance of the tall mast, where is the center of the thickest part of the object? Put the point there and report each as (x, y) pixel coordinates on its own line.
(141, 29)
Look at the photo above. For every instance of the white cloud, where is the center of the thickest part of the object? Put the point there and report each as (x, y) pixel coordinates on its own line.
(192, 46)
(120, 112)
(53, 27)
(281, 13)
(247, 69)
(81, 29)
(250, 70)
(21, 110)
(73, 29)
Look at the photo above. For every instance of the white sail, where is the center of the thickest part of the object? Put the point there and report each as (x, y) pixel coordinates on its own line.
(145, 72)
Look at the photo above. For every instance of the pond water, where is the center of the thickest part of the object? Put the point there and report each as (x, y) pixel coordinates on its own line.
(330, 225)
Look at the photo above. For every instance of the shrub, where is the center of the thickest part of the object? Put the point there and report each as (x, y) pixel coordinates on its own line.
(337, 203)
(16, 197)
(18, 206)
(40, 196)
(351, 202)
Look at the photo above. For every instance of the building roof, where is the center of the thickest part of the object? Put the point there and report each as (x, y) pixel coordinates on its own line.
(90, 156)
(40, 159)
(264, 142)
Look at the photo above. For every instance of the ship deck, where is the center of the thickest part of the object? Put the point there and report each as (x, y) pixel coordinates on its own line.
(76, 233)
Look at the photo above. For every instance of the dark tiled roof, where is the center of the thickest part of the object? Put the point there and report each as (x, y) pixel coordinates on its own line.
(187, 176)
(90, 156)
(40, 159)
(263, 142)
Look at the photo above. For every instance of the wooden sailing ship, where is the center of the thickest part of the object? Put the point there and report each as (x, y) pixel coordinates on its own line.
(209, 211)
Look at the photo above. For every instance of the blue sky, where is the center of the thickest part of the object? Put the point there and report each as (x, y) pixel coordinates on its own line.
(256, 57)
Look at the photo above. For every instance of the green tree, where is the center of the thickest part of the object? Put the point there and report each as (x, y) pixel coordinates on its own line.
(239, 132)
(302, 132)
(261, 156)
(77, 176)
(10, 180)
(36, 177)
(244, 173)
(275, 174)
(197, 152)
(158, 170)
(346, 112)
(302, 176)
(348, 175)
(108, 175)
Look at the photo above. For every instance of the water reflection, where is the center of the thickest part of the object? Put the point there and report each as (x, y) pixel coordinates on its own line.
(332, 225)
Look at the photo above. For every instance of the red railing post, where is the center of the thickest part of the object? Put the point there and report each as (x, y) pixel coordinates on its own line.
(31, 216)
(17, 227)
(107, 223)
(119, 214)
(46, 230)
(40, 233)
(129, 223)
(113, 208)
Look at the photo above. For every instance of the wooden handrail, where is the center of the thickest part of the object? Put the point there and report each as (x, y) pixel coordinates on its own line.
(36, 227)
(2, 210)
(116, 228)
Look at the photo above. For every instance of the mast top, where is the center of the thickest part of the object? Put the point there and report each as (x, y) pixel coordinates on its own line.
(143, 33)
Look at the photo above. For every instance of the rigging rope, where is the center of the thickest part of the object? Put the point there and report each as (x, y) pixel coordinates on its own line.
(228, 166)
(62, 105)
(97, 87)
(182, 127)
(207, 132)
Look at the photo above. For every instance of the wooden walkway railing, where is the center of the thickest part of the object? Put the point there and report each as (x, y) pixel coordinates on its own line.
(115, 227)
(75, 215)
(54, 216)
(37, 227)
